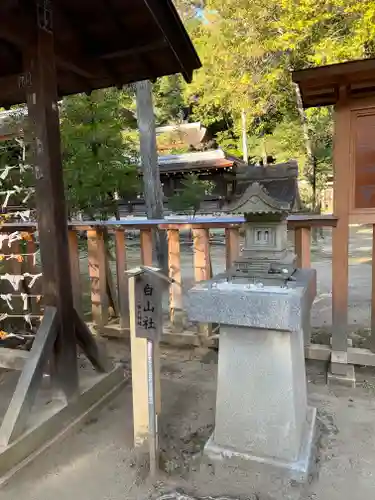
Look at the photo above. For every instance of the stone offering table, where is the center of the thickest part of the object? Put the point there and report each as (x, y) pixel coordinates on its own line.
(262, 416)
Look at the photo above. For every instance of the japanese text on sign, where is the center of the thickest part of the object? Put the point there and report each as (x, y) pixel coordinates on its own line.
(148, 308)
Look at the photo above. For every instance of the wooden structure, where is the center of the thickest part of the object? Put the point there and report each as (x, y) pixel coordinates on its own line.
(229, 175)
(121, 230)
(350, 87)
(49, 49)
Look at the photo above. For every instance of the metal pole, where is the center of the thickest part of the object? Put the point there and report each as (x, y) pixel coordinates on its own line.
(152, 422)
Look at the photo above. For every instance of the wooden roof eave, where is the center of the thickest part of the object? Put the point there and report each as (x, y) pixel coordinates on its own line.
(88, 59)
(320, 86)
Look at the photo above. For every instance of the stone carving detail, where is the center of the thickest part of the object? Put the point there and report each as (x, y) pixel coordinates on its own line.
(256, 200)
(265, 255)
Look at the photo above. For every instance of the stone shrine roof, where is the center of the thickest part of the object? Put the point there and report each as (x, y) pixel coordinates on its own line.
(256, 200)
(280, 181)
(98, 44)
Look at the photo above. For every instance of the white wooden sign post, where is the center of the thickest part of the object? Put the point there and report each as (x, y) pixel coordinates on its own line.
(146, 318)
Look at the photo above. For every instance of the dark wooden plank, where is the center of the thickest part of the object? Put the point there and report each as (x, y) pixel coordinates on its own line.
(372, 340)
(89, 346)
(75, 270)
(18, 411)
(43, 112)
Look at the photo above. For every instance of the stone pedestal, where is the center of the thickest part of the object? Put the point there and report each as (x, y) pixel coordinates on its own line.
(262, 417)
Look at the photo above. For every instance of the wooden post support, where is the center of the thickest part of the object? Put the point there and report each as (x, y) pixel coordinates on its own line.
(97, 272)
(146, 247)
(232, 245)
(43, 112)
(150, 167)
(75, 270)
(372, 341)
(175, 291)
(122, 278)
(302, 242)
(202, 267)
(340, 235)
(140, 374)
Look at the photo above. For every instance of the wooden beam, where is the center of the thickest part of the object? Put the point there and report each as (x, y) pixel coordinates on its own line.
(146, 247)
(135, 51)
(74, 270)
(18, 30)
(89, 346)
(340, 235)
(202, 269)
(302, 244)
(18, 411)
(175, 291)
(39, 61)
(171, 35)
(98, 277)
(232, 245)
(372, 339)
(122, 278)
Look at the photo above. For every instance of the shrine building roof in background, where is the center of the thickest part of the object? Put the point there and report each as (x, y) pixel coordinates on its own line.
(198, 161)
(320, 86)
(98, 44)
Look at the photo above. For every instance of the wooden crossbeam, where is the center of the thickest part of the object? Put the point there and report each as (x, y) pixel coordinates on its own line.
(15, 419)
(89, 346)
(18, 30)
(135, 51)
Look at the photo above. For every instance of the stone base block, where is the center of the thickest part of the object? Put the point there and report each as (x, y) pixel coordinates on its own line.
(298, 471)
(343, 375)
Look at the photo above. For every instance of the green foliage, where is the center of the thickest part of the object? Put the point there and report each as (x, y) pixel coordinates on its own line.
(99, 150)
(168, 100)
(248, 50)
(188, 200)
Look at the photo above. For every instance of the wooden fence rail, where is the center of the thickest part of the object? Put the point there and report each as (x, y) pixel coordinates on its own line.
(110, 301)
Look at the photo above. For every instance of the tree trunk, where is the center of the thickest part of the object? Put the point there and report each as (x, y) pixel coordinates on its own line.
(153, 193)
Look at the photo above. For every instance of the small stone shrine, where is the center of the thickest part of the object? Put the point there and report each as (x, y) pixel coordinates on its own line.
(263, 305)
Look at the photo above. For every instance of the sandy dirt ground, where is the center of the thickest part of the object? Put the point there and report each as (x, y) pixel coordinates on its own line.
(97, 463)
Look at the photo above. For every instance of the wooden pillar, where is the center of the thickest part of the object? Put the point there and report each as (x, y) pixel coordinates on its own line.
(302, 243)
(122, 279)
(372, 340)
(75, 270)
(202, 267)
(150, 167)
(146, 246)
(202, 264)
(340, 235)
(41, 88)
(232, 245)
(175, 291)
(98, 277)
